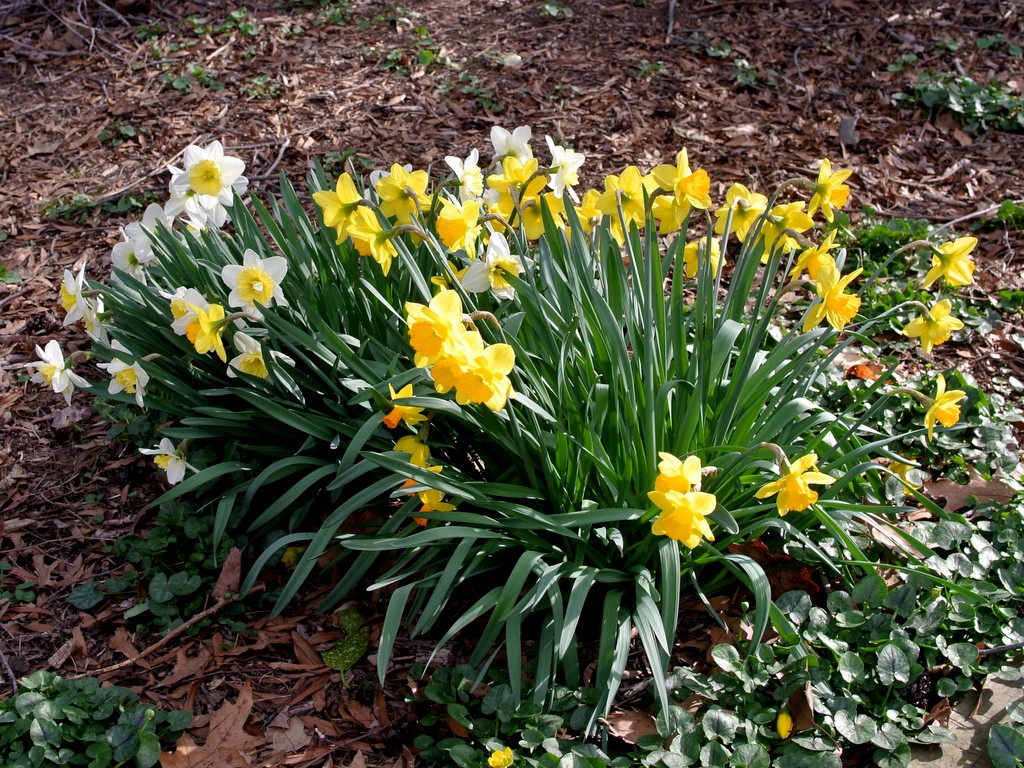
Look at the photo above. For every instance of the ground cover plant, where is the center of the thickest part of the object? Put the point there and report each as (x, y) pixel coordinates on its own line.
(486, 376)
(53, 721)
(66, 494)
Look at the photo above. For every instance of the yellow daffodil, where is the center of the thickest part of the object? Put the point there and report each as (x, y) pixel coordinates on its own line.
(371, 239)
(458, 225)
(433, 501)
(694, 251)
(908, 474)
(678, 475)
(482, 372)
(500, 758)
(419, 452)
(533, 218)
(745, 207)
(210, 325)
(518, 184)
(587, 211)
(794, 488)
(814, 258)
(433, 326)
(626, 189)
(934, 326)
(255, 280)
(683, 516)
(953, 262)
(829, 192)
(834, 304)
(403, 194)
(339, 206)
(781, 222)
(688, 190)
(410, 414)
(944, 408)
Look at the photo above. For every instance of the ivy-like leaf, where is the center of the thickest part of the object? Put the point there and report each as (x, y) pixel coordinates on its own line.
(893, 665)
(855, 728)
(1005, 746)
(721, 725)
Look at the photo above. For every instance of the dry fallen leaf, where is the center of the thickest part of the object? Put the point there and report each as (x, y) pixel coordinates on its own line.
(289, 739)
(230, 575)
(630, 725)
(957, 496)
(228, 739)
(801, 708)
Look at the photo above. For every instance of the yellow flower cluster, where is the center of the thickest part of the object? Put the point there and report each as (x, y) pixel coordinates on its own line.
(458, 358)
(684, 508)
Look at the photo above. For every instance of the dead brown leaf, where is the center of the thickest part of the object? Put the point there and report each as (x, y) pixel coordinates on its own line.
(230, 574)
(630, 725)
(977, 489)
(801, 708)
(291, 738)
(227, 741)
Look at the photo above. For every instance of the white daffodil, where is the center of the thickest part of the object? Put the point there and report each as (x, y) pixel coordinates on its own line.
(52, 370)
(182, 304)
(125, 377)
(250, 358)
(565, 164)
(206, 184)
(93, 320)
(170, 459)
(489, 272)
(516, 143)
(71, 297)
(135, 252)
(471, 178)
(255, 280)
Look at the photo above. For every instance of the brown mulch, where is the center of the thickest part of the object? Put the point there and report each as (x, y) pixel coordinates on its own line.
(757, 92)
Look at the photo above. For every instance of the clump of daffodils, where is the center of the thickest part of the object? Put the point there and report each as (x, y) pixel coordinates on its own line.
(484, 219)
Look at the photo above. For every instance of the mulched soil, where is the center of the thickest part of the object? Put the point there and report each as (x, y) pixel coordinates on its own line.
(96, 99)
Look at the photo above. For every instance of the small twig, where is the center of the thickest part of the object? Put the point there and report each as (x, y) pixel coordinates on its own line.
(10, 672)
(975, 215)
(224, 601)
(280, 154)
(8, 299)
(113, 13)
(671, 20)
(1001, 649)
(39, 51)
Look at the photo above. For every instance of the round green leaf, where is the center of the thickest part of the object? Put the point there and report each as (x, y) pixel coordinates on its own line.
(893, 665)
(149, 750)
(851, 667)
(1005, 746)
(857, 729)
(721, 725)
